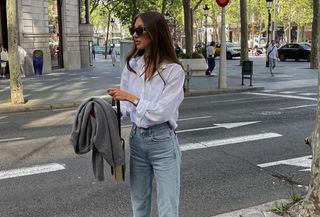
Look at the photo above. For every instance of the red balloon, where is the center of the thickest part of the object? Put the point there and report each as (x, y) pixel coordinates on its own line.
(222, 3)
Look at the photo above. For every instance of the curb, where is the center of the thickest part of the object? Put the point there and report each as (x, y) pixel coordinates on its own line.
(222, 91)
(33, 105)
(262, 210)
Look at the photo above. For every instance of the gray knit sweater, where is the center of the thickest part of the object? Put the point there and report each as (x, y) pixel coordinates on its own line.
(99, 134)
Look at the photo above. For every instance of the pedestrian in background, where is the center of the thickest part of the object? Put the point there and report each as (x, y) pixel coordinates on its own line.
(151, 91)
(113, 55)
(211, 59)
(272, 53)
(4, 61)
(94, 52)
(22, 55)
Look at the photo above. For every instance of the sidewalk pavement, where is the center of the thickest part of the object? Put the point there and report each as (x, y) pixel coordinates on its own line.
(263, 210)
(67, 89)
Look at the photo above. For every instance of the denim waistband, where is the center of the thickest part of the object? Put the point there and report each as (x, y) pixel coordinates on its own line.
(152, 128)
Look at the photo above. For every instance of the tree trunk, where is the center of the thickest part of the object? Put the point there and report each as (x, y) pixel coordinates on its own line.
(310, 205)
(16, 87)
(244, 31)
(315, 59)
(164, 5)
(187, 26)
(135, 9)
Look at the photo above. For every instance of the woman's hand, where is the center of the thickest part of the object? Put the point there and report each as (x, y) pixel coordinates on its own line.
(121, 95)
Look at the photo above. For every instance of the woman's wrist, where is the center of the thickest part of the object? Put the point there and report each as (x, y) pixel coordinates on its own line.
(136, 101)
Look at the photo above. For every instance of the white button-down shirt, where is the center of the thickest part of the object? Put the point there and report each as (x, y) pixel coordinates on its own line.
(159, 99)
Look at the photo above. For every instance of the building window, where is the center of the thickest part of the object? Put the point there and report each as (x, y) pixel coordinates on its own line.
(55, 41)
(84, 11)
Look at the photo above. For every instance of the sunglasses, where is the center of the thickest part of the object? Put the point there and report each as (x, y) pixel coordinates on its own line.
(139, 30)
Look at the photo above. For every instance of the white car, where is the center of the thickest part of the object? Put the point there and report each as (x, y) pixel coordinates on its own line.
(233, 50)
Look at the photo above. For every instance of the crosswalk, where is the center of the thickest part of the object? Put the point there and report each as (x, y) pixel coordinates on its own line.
(303, 95)
(296, 93)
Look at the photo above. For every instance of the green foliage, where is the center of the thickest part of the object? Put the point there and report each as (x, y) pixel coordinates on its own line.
(194, 55)
(38, 53)
(297, 12)
(281, 208)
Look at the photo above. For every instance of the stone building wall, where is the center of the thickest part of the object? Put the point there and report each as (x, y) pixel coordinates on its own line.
(34, 34)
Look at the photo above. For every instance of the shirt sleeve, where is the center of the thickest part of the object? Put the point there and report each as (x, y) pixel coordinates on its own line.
(169, 100)
(125, 105)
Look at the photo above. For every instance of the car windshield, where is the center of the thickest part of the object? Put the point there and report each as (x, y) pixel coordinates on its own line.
(231, 44)
(306, 46)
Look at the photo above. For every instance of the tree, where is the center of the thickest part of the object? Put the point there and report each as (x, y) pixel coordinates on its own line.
(188, 23)
(309, 206)
(315, 56)
(187, 26)
(16, 87)
(244, 31)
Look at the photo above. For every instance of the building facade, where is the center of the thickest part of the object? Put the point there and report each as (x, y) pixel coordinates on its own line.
(60, 28)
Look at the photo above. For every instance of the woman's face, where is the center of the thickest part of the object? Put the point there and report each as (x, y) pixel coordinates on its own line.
(143, 41)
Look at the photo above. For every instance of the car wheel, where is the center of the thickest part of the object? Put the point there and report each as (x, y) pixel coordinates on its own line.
(282, 57)
(229, 56)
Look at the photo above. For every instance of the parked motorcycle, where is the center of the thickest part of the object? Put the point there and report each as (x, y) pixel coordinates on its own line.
(258, 51)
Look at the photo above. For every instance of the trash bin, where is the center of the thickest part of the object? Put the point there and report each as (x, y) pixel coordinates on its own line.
(247, 69)
(38, 62)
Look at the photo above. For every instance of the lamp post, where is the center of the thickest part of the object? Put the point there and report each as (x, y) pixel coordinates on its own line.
(206, 10)
(269, 5)
(112, 22)
(275, 12)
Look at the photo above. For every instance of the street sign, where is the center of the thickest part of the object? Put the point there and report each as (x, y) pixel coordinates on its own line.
(222, 3)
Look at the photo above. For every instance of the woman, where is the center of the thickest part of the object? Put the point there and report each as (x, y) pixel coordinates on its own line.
(150, 93)
(4, 57)
(113, 55)
(211, 59)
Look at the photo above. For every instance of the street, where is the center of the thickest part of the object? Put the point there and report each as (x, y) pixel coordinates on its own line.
(231, 143)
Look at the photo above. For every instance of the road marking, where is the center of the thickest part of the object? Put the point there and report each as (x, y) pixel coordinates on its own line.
(223, 125)
(288, 92)
(194, 118)
(299, 161)
(283, 96)
(269, 91)
(234, 140)
(300, 106)
(308, 94)
(26, 171)
(11, 139)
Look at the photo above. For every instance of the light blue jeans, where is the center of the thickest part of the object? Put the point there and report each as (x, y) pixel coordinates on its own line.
(154, 152)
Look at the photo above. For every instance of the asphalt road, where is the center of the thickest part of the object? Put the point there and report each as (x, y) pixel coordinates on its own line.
(223, 137)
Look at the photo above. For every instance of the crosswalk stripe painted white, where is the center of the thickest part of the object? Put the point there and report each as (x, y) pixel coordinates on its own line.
(304, 161)
(288, 92)
(283, 96)
(234, 140)
(300, 106)
(26, 171)
(308, 94)
(12, 139)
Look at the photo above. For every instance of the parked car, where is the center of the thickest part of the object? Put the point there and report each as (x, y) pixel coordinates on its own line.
(294, 51)
(233, 50)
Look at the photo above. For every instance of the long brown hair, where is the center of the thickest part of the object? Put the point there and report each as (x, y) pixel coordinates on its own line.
(161, 43)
